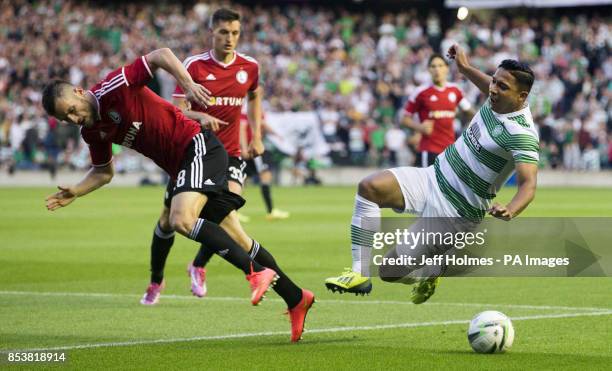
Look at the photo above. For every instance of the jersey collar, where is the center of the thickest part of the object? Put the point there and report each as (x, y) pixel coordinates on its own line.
(523, 110)
(224, 65)
(98, 114)
(437, 88)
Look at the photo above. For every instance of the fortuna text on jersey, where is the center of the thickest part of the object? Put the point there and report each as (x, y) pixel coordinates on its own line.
(128, 140)
(225, 101)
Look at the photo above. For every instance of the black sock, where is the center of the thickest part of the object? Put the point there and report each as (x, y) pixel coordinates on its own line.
(265, 193)
(160, 248)
(284, 287)
(218, 241)
(203, 257)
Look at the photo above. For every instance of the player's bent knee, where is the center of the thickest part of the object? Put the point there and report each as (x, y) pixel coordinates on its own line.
(366, 189)
(383, 189)
(372, 189)
(181, 223)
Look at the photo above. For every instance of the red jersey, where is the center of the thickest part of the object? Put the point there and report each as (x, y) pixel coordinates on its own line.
(439, 105)
(229, 84)
(135, 117)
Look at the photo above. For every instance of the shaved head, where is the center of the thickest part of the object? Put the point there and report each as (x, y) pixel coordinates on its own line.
(69, 103)
(51, 92)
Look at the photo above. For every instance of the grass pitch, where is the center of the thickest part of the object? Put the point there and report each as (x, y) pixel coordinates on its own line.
(71, 281)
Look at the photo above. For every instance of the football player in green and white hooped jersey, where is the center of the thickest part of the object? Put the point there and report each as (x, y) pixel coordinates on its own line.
(500, 140)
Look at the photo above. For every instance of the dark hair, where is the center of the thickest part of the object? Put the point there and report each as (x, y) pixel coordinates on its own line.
(521, 72)
(223, 15)
(50, 93)
(434, 56)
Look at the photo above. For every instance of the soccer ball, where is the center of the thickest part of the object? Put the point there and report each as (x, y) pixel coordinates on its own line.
(490, 332)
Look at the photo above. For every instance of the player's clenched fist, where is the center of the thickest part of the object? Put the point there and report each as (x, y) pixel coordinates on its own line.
(60, 199)
(256, 148)
(457, 53)
(427, 127)
(500, 212)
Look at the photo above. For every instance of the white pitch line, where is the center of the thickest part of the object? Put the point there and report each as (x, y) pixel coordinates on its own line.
(278, 333)
(325, 301)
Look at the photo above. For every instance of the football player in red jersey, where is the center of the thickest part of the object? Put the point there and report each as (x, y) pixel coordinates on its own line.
(436, 105)
(121, 109)
(230, 77)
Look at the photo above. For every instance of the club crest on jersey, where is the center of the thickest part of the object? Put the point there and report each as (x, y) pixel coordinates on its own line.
(452, 97)
(115, 116)
(497, 130)
(242, 76)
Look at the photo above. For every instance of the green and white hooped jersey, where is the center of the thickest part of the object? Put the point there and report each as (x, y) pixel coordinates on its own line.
(473, 169)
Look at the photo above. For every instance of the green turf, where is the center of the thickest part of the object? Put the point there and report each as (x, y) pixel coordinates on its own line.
(100, 245)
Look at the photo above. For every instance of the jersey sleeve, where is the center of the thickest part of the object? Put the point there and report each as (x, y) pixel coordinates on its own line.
(525, 148)
(178, 92)
(531, 157)
(412, 106)
(101, 153)
(464, 104)
(255, 82)
(138, 73)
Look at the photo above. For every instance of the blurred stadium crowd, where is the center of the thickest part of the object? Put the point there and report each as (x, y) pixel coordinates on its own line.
(355, 69)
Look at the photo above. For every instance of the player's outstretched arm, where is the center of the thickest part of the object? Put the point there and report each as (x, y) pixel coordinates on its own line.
(165, 59)
(95, 178)
(527, 179)
(477, 77)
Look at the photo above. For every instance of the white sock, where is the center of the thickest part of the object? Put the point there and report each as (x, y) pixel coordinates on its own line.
(365, 221)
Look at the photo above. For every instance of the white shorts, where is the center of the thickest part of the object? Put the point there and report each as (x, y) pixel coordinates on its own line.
(422, 196)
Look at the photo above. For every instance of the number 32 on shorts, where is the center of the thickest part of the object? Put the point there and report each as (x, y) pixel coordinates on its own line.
(237, 173)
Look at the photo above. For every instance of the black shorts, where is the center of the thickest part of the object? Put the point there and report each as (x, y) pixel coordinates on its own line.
(203, 170)
(425, 159)
(218, 206)
(235, 170)
(258, 165)
(203, 167)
